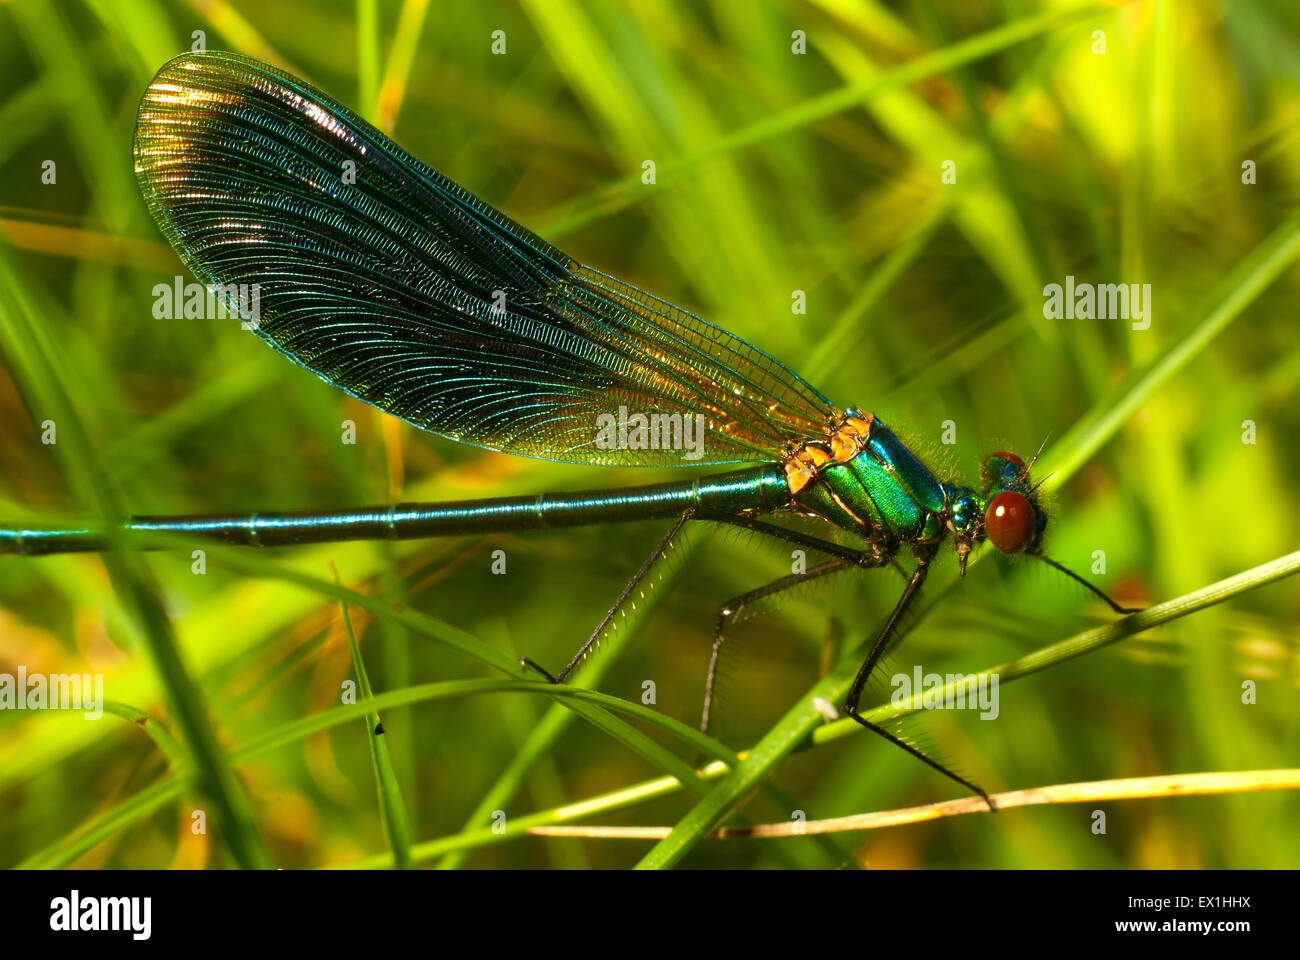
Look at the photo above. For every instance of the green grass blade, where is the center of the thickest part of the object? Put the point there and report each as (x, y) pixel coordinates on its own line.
(156, 731)
(368, 69)
(393, 810)
(1238, 290)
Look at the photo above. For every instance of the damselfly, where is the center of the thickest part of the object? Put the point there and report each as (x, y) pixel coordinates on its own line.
(401, 288)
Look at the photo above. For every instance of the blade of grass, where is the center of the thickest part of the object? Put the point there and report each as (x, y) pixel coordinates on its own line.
(240, 34)
(1238, 290)
(63, 852)
(1131, 788)
(393, 810)
(368, 57)
(401, 55)
(156, 731)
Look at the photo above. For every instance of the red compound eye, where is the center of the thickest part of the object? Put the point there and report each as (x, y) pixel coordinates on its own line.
(1011, 457)
(1009, 522)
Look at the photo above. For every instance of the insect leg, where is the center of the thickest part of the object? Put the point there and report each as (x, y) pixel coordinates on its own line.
(847, 554)
(923, 558)
(864, 558)
(733, 607)
(663, 547)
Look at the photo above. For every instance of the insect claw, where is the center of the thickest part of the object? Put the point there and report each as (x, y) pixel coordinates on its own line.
(528, 664)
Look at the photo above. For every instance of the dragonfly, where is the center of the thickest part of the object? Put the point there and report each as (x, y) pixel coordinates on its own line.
(403, 289)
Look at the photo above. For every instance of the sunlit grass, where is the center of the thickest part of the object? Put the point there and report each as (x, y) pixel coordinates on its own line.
(776, 172)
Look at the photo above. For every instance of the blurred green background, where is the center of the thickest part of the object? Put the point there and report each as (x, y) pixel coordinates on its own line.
(819, 172)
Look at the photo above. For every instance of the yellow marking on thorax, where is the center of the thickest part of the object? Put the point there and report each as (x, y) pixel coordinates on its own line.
(844, 441)
(802, 464)
(849, 437)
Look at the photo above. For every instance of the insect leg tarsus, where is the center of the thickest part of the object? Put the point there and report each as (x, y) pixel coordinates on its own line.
(529, 664)
(852, 711)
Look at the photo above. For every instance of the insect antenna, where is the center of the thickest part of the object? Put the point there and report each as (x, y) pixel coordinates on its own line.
(1036, 455)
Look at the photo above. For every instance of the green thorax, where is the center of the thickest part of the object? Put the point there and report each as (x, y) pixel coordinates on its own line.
(865, 480)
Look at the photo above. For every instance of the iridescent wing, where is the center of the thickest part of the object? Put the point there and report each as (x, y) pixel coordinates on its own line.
(403, 289)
